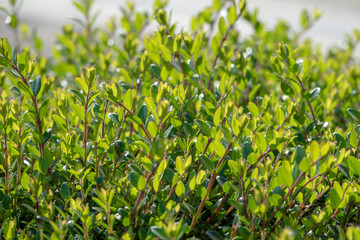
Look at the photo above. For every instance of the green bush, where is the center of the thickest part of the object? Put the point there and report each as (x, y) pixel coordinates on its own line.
(171, 135)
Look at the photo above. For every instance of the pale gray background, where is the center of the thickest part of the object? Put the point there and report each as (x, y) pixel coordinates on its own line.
(339, 16)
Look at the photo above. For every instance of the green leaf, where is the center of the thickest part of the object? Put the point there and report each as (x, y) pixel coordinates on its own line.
(354, 165)
(5, 62)
(180, 166)
(47, 135)
(166, 54)
(180, 189)
(93, 96)
(155, 71)
(78, 110)
(181, 94)
(284, 174)
(287, 89)
(354, 114)
(78, 95)
(142, 183)
(208, 163)
(217, 116)
(60, 122)
(25, 180)
(6, 48)
(299, 154)
(253, 109)
(304, 18)
(222, 25)
(200, 177)
(137, 181)
(192, 180)
(129, 99)
(335, 199)
(134, 119)
(152, 129)
(219, 148)
(232, 15)
(315, 93)
(14, 55)
(114, 117)
(119, 147)
(82, 84)
(65, 191)
(353, 138)
(314, 151)
(203, 127)
(152, 107)
(143, 113)
(159, 232)
(176, 122)
(280, 116)
(305, 164)
(253, 158)
(24, 63)
(43, 164)
(261, 142)
(214, 235)
(25, 88)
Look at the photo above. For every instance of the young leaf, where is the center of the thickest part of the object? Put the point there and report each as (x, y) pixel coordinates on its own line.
(232, 15)
(284, 174)
(180, 189)
(180, 167)
(152, 129)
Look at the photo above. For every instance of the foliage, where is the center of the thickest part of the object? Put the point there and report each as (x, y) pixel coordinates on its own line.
(171, 135)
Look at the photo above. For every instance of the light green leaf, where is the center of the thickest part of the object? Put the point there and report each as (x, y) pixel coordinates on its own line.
(280, 116)
(232, 15)
(79, 111)
(284, 174)
(180, 166)
(180, 189)
(152, 129)
(219, 148)
(314, 151)
(261, 142)
(253, 109)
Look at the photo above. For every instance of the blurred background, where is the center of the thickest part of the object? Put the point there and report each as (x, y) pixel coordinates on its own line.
(338, 17)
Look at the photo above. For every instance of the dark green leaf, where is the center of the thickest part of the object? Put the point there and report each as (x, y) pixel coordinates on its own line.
(47, 135)
(314, 93)
(65, 191)
(119, 147)
(203, 127)
(143, 111)
(155, 71)
(36, 85)
(114, 117)
(208, 163)
(354, 114)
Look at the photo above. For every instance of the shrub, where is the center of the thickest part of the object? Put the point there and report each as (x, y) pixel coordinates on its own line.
(170, 135)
